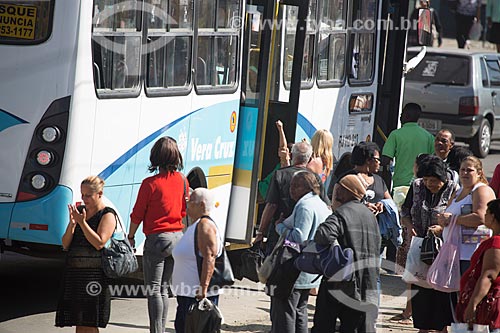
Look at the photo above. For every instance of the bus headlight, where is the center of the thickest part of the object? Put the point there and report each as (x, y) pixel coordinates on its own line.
(38, 182)
(44, 157)
(50, 134)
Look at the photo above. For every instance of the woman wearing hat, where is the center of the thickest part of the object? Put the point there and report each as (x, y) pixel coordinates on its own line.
(353, 225)
(426, 199)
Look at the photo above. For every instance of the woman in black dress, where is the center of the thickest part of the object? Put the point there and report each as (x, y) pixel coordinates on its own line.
(84, 299)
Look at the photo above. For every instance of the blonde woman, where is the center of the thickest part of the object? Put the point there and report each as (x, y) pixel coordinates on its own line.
(322, 158)
(89, 228)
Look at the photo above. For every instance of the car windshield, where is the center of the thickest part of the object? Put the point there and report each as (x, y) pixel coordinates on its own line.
(441, 69)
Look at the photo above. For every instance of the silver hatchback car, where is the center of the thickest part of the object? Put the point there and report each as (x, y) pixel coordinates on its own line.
(460, 91)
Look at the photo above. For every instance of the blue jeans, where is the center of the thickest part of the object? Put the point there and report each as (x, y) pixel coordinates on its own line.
(183, 304)
(158, 265)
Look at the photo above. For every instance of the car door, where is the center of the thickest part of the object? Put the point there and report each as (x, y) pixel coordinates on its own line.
(493, 91)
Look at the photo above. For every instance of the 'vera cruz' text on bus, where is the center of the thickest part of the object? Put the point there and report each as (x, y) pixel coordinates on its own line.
(207, 151)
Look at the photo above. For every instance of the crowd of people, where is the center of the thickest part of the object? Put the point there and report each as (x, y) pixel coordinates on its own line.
(444, 186)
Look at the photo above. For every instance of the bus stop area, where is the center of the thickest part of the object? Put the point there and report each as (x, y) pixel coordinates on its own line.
(30, 286)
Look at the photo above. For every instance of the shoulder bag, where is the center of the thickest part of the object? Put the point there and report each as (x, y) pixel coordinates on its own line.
(331, 261)
(251, 261)
(223, 274)
(283, 274)
(444, 273)
(488, 309)
(118, 258)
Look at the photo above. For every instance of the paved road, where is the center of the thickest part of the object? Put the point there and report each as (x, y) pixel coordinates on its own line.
(29, 297)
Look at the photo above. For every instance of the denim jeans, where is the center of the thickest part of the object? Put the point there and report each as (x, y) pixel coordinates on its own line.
(183, 304)
(158, 265)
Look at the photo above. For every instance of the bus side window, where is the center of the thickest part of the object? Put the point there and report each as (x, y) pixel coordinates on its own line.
(217, 45)
(116, 46)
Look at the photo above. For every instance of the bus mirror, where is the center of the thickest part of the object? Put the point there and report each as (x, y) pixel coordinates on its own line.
(413, 62)
(424, 27)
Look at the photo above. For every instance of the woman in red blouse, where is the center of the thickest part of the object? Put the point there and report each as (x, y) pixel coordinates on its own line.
(480, 285)
(160, 206)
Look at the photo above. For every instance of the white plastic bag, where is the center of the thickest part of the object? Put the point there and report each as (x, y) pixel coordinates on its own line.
(475, 30)
(459, 328)
(416, 270)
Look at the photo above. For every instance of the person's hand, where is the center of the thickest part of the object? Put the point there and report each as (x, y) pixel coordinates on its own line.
(470, 314)
(132, 242)
(373, 208)
(72, 220)
(259, 237)
(380, 207)
(443, 219)
(75, 214)
(200, 294)
(279, 125)
(490, 23)
(410, 232)
(436, 229)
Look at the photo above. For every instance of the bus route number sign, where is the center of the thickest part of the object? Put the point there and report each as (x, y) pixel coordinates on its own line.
(17, 21)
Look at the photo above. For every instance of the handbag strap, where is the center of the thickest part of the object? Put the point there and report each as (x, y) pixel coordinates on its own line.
(199, 259)
(453, 236)
(186, 197)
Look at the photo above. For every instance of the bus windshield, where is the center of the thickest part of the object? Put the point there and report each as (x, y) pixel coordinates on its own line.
(25, 21)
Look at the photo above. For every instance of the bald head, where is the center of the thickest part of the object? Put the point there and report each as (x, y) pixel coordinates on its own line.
(205, 196)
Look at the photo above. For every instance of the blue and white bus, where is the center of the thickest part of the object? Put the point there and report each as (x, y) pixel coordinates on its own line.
(88, 86)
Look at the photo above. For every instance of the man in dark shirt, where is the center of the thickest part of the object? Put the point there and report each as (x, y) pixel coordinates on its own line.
(354, 226)
(279, 204)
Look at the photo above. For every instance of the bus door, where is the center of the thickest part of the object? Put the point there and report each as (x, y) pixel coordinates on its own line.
(257, 139)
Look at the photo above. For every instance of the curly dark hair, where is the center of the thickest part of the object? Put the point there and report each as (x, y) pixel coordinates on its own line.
(308, 180)
(363, 151)
(165, 155)
(432, 166)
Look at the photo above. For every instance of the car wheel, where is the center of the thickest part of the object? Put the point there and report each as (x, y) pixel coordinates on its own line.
(480, 143)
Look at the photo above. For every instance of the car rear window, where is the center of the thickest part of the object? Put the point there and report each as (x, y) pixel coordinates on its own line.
(441, 69)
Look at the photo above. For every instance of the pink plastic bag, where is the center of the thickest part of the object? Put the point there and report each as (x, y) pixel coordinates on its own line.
(444, 273)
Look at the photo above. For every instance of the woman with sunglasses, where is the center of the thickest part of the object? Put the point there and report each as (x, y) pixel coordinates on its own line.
(160, 206)
(366, 160)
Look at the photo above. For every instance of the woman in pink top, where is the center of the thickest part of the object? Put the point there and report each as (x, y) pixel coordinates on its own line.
(160, 206)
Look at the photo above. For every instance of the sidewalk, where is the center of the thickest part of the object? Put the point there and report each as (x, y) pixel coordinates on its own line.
(474, 45)
(249, 313)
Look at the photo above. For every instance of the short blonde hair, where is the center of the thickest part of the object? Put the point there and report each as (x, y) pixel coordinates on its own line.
(96, 183)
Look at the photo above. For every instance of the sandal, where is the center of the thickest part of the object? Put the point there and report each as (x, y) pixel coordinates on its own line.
(406, 321)
(400, 317)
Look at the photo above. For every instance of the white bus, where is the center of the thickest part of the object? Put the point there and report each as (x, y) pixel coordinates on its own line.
(88, 86)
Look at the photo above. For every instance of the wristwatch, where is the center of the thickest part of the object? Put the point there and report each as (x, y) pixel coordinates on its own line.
(258, 232)
(130, 237)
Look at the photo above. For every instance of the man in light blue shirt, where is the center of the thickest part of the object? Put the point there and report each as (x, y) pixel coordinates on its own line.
(493, 19)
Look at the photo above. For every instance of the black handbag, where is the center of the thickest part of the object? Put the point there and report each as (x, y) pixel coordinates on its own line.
(118, 258)
(223, 274)
(284, 273)
(251, 261)
(431, 244)
(203, 317)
